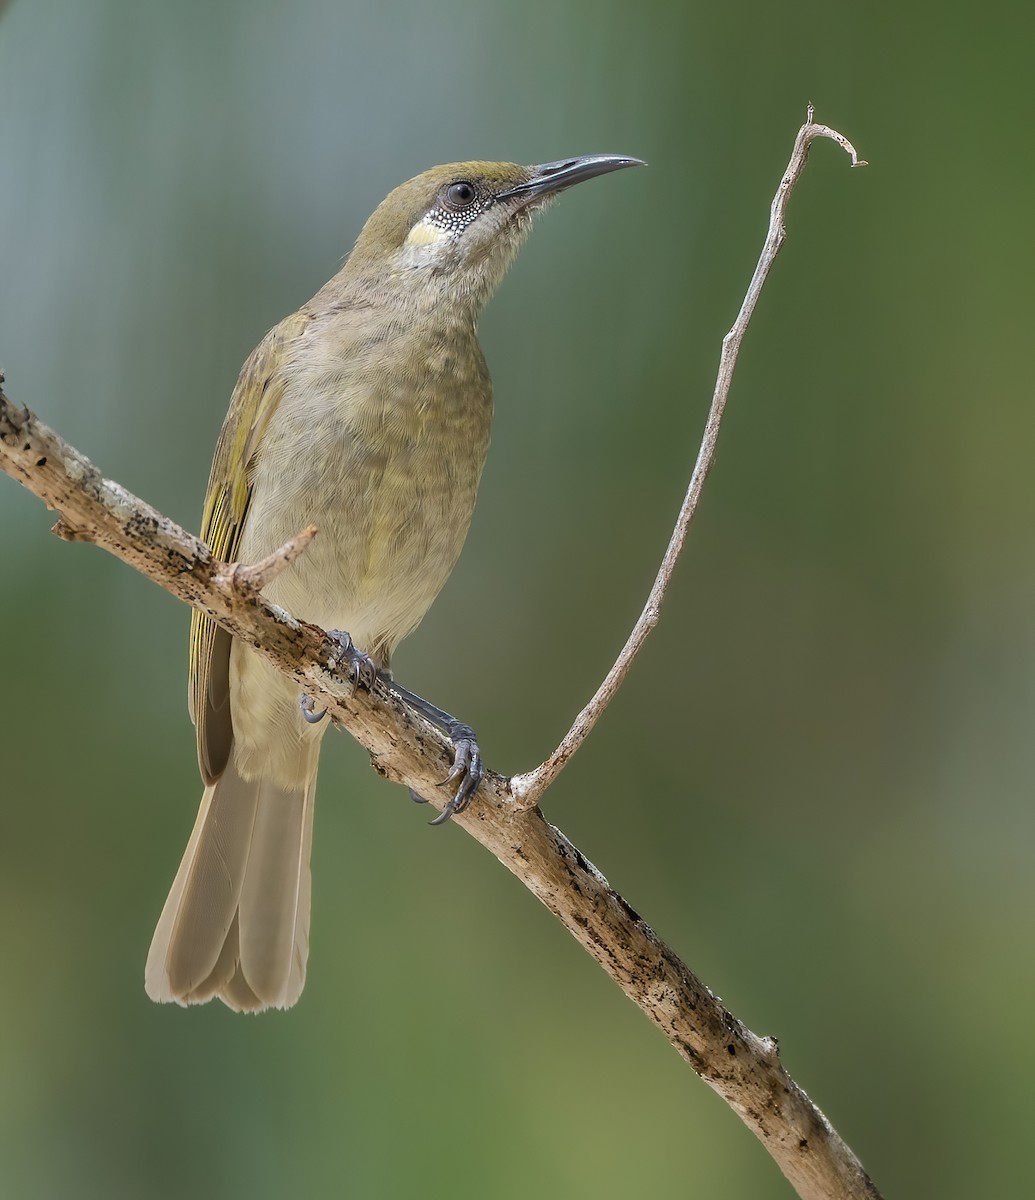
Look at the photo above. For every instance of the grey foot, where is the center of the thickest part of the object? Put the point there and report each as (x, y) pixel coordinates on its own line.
(360, 669)
(467, 767)
(467, 771)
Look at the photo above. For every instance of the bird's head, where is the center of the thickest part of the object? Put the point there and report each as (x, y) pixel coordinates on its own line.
(457, 227)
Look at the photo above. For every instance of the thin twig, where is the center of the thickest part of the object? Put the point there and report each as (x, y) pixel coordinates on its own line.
(528, 788)
(251, 579)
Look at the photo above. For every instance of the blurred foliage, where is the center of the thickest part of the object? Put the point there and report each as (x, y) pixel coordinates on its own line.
(817, 783)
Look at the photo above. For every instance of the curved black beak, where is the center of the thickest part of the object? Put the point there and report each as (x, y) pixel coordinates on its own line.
(547, 179)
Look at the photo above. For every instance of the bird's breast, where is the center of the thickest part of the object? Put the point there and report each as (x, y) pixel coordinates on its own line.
(382, 450)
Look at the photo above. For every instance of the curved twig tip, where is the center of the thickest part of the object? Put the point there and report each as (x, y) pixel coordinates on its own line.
(811, 130)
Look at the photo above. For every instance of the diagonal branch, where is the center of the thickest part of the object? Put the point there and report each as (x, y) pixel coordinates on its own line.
(744, 1069)
(528, 788)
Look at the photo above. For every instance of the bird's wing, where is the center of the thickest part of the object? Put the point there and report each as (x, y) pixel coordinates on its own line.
(255, 399)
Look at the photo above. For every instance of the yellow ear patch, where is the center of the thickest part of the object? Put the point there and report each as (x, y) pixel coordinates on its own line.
(425, 234)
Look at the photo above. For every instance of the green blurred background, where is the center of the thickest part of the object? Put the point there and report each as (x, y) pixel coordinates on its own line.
(817, 782)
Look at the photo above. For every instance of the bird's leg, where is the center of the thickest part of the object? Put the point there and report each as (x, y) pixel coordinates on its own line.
(361, 669)
(467, 767)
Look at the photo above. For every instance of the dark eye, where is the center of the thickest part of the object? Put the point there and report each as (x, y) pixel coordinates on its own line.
(460, 194)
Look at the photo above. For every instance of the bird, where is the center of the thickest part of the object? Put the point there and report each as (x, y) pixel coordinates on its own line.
(367, 414)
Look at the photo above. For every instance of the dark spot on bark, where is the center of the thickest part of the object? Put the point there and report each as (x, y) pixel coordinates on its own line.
(583, 862)
(731, 1049)
(140, 526)
(598, 940)
(803, 1144)
(41, 462)
(627, 908)
(689, 1052)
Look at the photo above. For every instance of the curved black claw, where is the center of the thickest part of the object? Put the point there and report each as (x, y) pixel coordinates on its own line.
(467, 767)
(415, 798)
(362, 669)
(308, 706)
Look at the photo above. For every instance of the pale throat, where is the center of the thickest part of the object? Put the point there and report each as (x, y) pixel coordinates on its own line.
(430, 244)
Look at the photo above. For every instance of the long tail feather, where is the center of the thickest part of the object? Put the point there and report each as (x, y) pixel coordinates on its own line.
(236, 922)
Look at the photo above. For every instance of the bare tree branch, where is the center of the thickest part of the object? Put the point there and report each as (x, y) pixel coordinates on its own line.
(743, 1068)
(528, 788)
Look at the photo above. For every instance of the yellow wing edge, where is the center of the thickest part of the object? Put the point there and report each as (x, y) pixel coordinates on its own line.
(255, 398)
